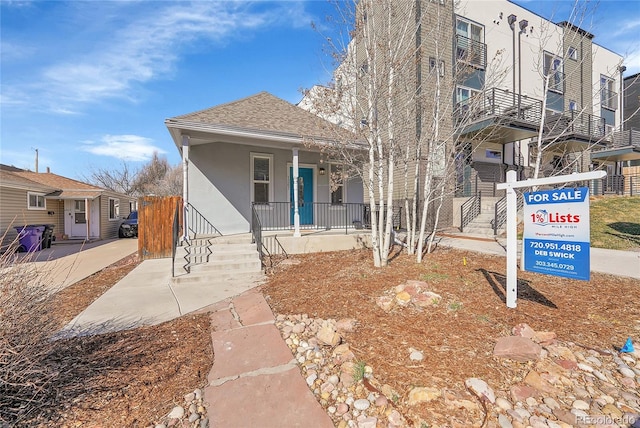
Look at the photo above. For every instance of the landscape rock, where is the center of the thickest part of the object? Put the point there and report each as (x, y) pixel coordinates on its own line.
(327, 334)
(517, 348)
(523, 330)
(480, 389)
(422, 394)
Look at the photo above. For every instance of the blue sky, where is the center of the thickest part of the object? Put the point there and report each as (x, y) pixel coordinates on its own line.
(89, 84)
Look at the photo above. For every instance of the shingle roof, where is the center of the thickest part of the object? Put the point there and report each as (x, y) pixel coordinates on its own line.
(57, 181)
(266, 112)
(9, 178)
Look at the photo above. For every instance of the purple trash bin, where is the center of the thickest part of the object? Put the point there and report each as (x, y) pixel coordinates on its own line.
(30, 237)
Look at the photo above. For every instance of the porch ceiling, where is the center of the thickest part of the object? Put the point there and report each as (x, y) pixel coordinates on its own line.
(618, 154)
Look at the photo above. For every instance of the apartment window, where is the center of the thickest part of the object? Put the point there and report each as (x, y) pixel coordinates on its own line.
(553, 69)
(433, 64)
(336, 183)
(608, 96)
(437, 1)
(35, 201)
(572, 53)
(114, 209)
(463, 95)
(261, 174)
(470, 45)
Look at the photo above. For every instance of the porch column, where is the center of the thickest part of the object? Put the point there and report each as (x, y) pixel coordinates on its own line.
(87, 217)
(296, 213)
(185, 187)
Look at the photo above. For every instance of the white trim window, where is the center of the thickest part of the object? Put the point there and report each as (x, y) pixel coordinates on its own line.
(553, 69)
(36, 201)
(114, 209)
(572, 53)
(608, 95)
(336, 184)
(261, 178)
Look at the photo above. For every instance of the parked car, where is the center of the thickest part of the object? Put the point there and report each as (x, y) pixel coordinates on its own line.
(129, 227)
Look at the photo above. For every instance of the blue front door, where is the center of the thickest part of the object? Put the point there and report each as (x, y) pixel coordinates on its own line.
(305, 194)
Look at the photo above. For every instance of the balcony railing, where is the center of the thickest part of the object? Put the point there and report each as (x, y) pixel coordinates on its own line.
(586, 125)
(608, 99)
(471, 51)
(501, 104)
(625, 138)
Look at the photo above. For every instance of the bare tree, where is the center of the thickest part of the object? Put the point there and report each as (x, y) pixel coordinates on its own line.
(121, 179)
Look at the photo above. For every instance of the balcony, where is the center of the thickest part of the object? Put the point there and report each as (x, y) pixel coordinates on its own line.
(572, 130)
(620, 146)
(498, 116)
(471, 51)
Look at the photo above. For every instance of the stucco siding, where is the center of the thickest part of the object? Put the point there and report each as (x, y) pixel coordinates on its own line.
(220, 182)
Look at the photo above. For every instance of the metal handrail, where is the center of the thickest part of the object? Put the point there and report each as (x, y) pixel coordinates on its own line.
(499, 104)
(500, 213)
(256, 231)
(470, 210)
(198, 224)
(574, 122)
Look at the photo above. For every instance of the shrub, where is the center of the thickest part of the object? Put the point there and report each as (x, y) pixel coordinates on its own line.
(25, 332)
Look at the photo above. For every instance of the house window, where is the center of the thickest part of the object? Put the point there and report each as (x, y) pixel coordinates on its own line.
(35, 201)
(80, 212)
(336, 183)
(261, 174)
(433, 63)
(553, 69)
(608, 96)
(572, 53)
(114, 209)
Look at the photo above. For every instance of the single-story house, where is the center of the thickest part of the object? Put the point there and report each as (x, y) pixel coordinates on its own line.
(76, 210)
(263, 156)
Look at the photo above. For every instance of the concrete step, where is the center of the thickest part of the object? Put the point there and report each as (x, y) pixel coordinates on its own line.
(244, 238)
(219, 279)
(484, 231)
(217, 266)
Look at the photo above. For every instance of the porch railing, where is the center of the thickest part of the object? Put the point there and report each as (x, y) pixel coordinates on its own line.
(319, 216)
(575, 123)
(470, 210)
(499, 103)
(198, 224)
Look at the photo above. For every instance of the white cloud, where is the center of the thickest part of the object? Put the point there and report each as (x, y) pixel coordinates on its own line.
(145, 47)
(125, 147)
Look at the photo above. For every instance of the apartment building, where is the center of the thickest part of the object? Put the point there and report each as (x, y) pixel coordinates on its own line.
(513, 90)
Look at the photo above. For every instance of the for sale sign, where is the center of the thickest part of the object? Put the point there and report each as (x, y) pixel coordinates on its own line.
(556, 232)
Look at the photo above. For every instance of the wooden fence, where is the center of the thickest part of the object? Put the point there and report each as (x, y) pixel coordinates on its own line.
(155, 225)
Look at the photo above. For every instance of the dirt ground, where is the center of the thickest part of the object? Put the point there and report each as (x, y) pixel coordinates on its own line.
(458, 335)
(133, 378)
(125, 379)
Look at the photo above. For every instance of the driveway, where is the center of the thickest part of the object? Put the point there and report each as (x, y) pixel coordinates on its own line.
(65, 264)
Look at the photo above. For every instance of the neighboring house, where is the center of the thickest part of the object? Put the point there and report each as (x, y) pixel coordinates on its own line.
(262, 155)
(492, 80)
(77, 210)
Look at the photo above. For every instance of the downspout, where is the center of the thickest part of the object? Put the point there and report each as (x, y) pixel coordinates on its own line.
(185, 187)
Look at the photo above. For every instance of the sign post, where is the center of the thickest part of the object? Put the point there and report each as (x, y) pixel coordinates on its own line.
(512, 224)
